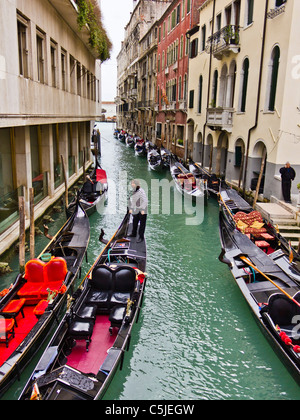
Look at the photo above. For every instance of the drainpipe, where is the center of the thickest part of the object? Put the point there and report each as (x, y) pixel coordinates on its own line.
(209, 78)
(258, 97)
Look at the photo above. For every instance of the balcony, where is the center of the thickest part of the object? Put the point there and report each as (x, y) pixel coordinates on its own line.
(183, 105)
(224, 42)
(220, 119)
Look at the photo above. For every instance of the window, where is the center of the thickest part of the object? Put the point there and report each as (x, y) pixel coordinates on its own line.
(250, 7)
(173, 18)
(203, 38)
(164, 30)
(191, 99)
(78, 79)
(53, 54)
(72, 74)
(23, 45)
(178, 14)
(200, 95)
(214, 90)
(188, 7)
(63, 69)
(245, 76)
(180, 89)
(40, 49)
(183, 9)
(279, 3)
(274, 68)
(159, 34)
(185, 87)
(158, 130)
(181, 46)
(194, 48)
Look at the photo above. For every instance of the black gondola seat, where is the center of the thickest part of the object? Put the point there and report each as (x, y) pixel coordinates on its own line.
(81, 329)
(116, 317)
(101, 287)
(282, 310)
(109, 287)
(124, 286)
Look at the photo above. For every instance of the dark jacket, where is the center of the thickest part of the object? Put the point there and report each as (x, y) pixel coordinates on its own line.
(287, 174)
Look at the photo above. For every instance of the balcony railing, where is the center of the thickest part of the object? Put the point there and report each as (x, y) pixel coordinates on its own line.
(220, 118)
(224, 42)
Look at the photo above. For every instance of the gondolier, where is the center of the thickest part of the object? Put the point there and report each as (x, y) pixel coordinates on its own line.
(138, 206)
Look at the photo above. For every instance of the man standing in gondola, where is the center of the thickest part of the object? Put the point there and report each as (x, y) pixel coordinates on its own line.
(138, 207)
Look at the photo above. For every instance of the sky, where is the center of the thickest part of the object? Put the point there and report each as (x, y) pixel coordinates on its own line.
(115, 16)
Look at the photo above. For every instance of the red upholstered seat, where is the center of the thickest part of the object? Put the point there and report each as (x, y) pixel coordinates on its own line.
(55, 272)
(34, 274)
(40, 308)
(14, 306)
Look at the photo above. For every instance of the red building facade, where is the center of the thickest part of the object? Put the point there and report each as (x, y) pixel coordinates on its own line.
(172, 73)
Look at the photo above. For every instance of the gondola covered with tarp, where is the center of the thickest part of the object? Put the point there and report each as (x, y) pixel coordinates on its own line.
(89, 344)
(267, 271)
(30, 306)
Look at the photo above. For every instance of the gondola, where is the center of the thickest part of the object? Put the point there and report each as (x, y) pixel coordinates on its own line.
(29, 308)
(166, 157)
(139, 148)
(185, 182)
(122, 136)
(89, 344)
(267, 271)
(154, 159)
(116, 133)
(129, 141)
(93, 191)
(212, 182)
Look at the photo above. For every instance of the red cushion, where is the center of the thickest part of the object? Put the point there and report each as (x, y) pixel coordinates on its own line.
(52, 286)
(30, 290)
(55, 270)
(40, 308)
(14, 306)
(34, 271)
(262, 244)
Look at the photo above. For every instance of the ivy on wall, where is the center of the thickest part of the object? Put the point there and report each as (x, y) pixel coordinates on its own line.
(91, 16)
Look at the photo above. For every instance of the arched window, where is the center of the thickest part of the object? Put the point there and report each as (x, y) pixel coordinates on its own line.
(245, 76)
(274, 68)
(200, 94)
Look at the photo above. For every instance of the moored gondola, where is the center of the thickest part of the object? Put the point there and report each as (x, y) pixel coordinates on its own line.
(212, 182)
(89, 344)
(165, 157)
(129, 140)
(154, 159)
(185, 182)
(93, 192)
(139, 148)
(29, 308)
(267, 272)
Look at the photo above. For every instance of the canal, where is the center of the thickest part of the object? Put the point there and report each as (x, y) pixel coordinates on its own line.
(196, 337)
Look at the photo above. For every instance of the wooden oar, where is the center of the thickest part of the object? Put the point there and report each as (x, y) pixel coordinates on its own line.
(226, 207)
(268, 278)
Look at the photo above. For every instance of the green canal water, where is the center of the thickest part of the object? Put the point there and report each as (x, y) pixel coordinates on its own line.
(196, 337)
